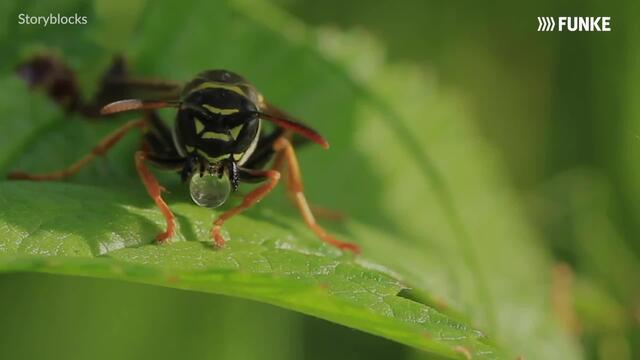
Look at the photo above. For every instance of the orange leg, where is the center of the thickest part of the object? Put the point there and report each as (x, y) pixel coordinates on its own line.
(320, 212)
(155, 191)
(99, 150)
(327, 214)
(251, 199)
(295, 188)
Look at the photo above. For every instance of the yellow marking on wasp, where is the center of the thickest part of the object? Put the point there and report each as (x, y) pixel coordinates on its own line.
(215, 135)
(216, 110)
(237, 157)
(189, 148)
(217, 85)
(209, 158)
(262, 104)
(254, 143)
(199, 126)
(236, 130)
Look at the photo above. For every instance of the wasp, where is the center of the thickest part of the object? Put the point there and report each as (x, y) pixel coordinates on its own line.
(218, 141)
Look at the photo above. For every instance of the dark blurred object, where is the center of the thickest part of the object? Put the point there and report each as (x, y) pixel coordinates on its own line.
(50, 74)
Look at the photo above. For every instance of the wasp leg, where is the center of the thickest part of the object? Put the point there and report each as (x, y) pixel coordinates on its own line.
(251, 199)
(285, 151)
(155, 191)
(318, 211)
(327, 214)
(99, 150)
(265, 152)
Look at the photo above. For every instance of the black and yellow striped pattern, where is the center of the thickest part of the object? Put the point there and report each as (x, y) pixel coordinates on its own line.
(216, 118)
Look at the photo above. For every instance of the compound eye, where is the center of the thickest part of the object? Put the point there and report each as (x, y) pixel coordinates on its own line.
(209, 190)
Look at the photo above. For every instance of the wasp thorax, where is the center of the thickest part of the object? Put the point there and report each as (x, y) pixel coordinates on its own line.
(209, 189)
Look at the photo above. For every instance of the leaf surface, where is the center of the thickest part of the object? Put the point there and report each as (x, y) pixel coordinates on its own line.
(401, 157)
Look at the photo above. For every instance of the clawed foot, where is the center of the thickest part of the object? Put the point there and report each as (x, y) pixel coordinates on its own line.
(218, 240)
(164, 236)
(349, 246)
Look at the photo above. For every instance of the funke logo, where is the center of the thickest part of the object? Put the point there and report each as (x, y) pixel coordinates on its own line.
(575, 23)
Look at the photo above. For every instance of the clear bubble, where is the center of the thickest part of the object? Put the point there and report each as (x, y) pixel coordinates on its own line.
(209, 190)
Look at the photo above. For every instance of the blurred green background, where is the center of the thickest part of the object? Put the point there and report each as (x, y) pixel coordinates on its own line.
(561, 110)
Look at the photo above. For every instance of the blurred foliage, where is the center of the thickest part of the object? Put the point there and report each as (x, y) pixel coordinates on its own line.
(412, 163)
(561, 108)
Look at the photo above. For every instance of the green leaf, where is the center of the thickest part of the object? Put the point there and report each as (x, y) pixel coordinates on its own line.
(81, 230)
(426, 200)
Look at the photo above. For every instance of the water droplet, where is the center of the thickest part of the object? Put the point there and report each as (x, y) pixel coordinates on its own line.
(209, 190)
